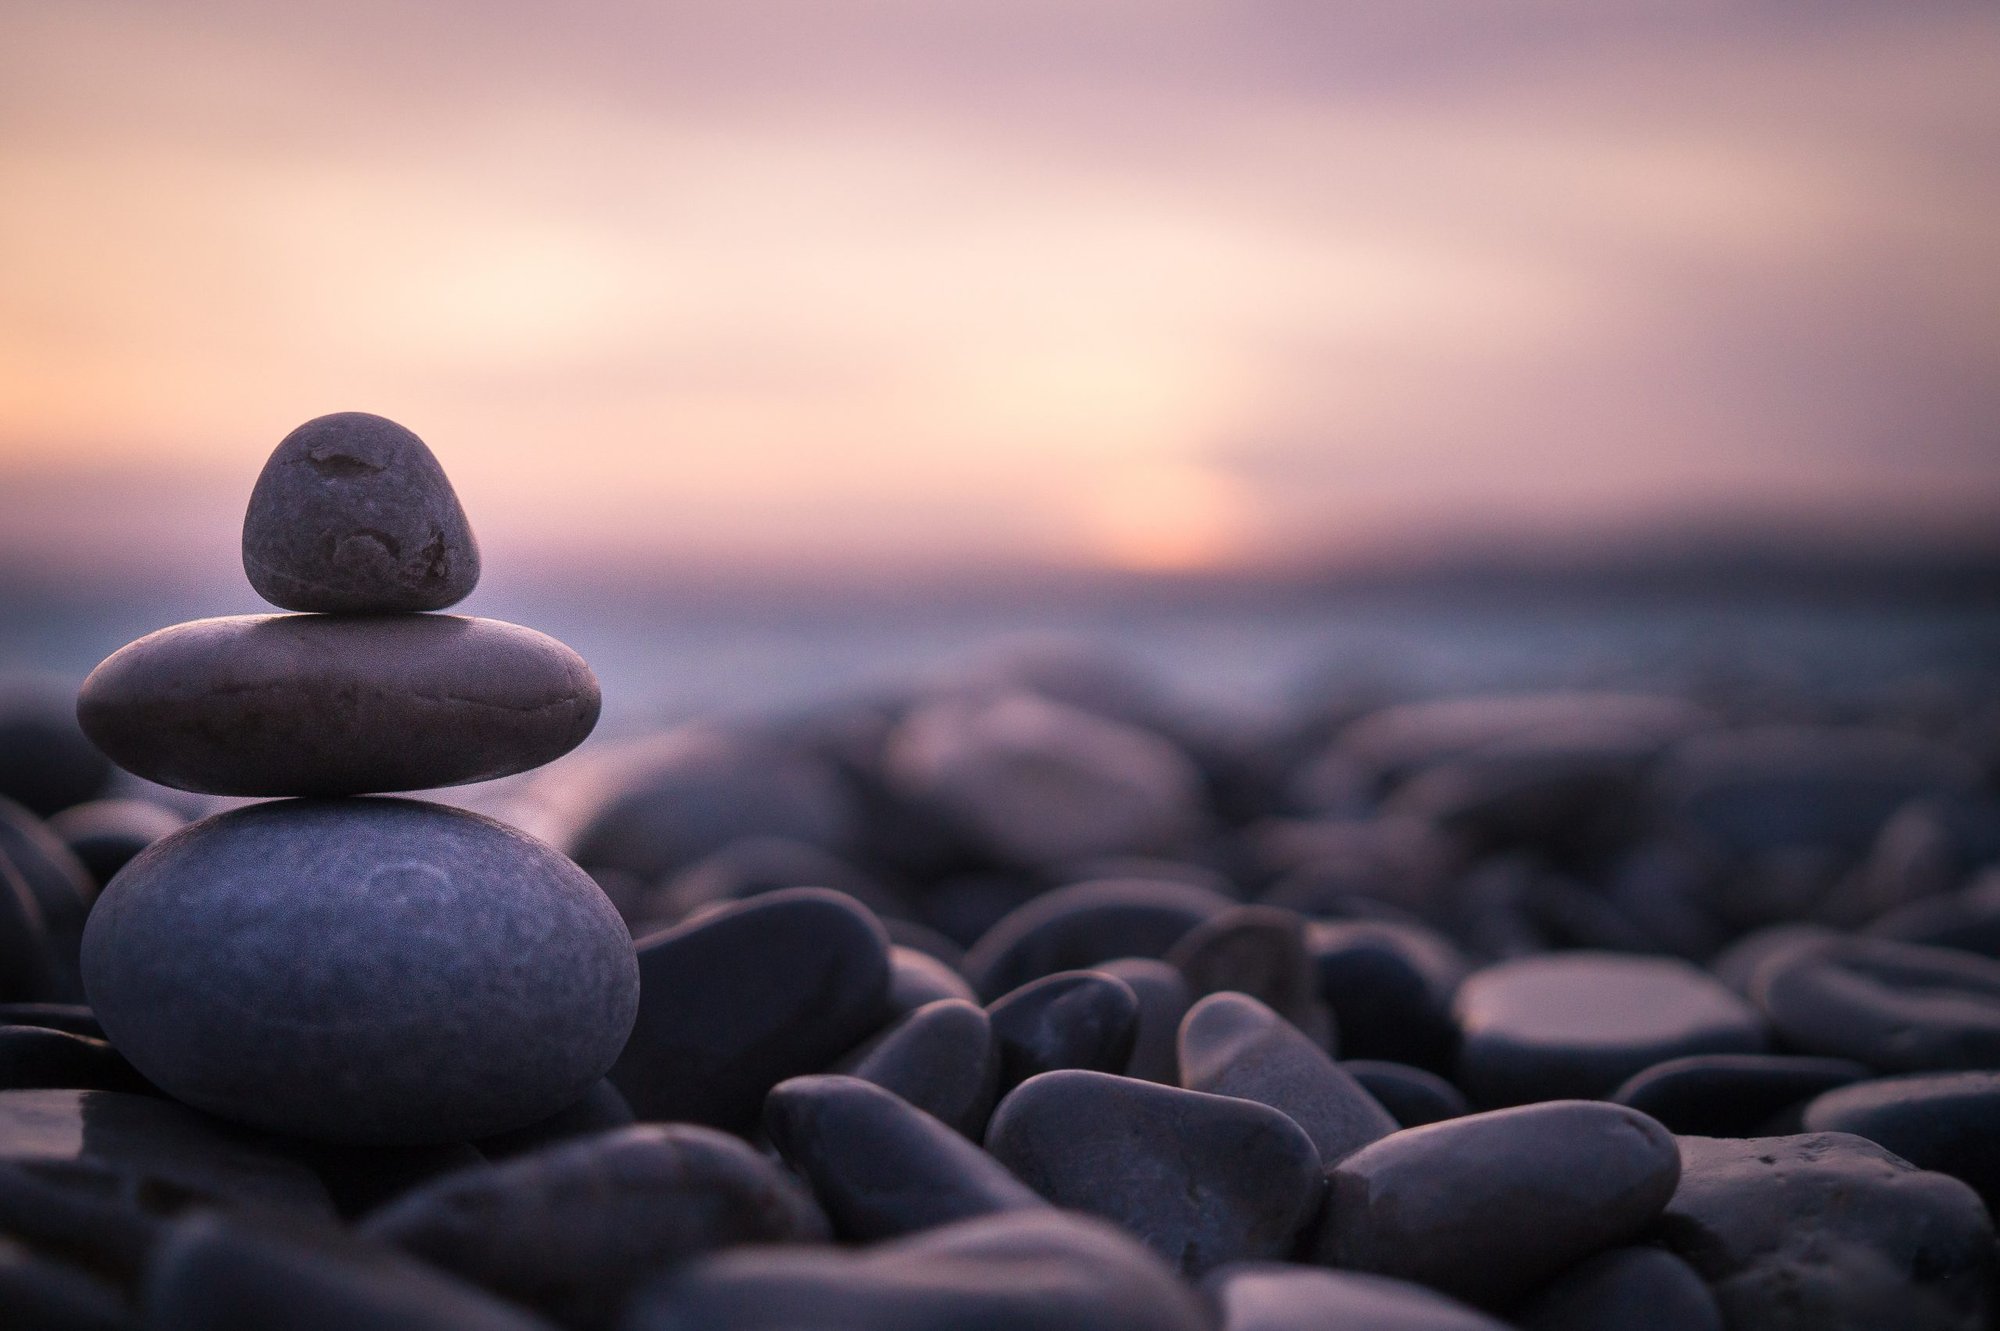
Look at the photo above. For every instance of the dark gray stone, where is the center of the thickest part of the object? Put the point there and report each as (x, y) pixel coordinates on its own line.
(1731, 1095)
(654, 806)
(146, 1137)
(352, 514)
(27, 968)
(337, 704)
(89, 1213)
(601, 1109)
(1164, 999)
(105, 834)
(214, 1274)
(1413, 1096)
(1259, 951)
(46, 764)
(1489, 1207)
(735, 1002)
(941, 1058)
(1947, 1121)
(1231, 1044)
(1574, 1025)
(572, 1229)
(362, 970)
(36, 1058)
(917, 978)
(1020, 1271)
(1829, 1232)
(1898, 1007)
(1390, 987)
(75, 1018)
(880, 1167)
(1078, 926)
(1073, 1019)
(1028, 782)
(1202, 1179)
(1632, 1289)
(1273, 1296)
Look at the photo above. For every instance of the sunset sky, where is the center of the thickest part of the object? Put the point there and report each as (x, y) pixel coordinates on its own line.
(751, 286)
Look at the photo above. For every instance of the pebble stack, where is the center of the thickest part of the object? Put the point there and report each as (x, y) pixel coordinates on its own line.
(328, 965)
(1027, 998)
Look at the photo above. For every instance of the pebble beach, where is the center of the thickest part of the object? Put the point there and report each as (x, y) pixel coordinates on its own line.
(353, 976)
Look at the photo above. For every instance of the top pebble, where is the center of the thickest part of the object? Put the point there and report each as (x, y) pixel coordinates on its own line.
(353, 515)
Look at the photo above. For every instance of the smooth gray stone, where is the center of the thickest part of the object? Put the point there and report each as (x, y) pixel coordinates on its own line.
(1898, 1007)
(1030, 783)
(917, 978)
(1164, 998)
(105, 834)
(1202, 1179)
(601, 1109)
(1489, 1207)
(735, 1002)
(1632, 1289)
(1231, 1044)
(1020, 1271)
(146, 1137)
(1413, 1096)
(654, 806)
(1075, 927)
(1260, 951)
(572, 1229)
(880, 1167)
(1073, 1019)
(45, 762)
(213, 1274)
(1275, 1296)
(352, 514)
(362, 970)
(337, 704)
(1390, 987)
(941, 1058)
(36, 1058)
(41, 1295)
(1574, 1025)
(1731, 1095)
(1947, 1121)
(1829, 1232)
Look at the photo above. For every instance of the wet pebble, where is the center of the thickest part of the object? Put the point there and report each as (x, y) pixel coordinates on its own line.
(1202, 1179)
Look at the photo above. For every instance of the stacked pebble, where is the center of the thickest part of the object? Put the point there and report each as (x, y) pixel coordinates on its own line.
(1031, 1000)
(336, 967)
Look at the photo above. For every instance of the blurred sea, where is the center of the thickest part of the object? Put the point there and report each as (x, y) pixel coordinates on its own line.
(1247, 656)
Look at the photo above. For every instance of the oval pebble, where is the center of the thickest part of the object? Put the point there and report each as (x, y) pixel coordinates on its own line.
(337, 704)
(941, 1058)
(1201, 1179)
(1260, 951)
(1413, 1096)
(1632, 1289)
(357, 970)
(1075, 927)
(1489, 1207)
(1574, 1025)
(1164, 999)
(1898, 1007)
(572, 1229)
(1946, 1121)
(1390, 987)
(1731, 1095)
(736, 1001)
(1231, 1044)
(1073, 1019)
